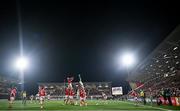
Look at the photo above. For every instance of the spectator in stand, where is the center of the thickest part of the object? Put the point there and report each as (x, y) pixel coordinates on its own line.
(159, 102)
(163, 93)
(151, 96)
(168, 95)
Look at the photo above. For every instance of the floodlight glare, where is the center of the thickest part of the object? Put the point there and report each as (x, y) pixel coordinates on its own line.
(22, 63)
(127, 59)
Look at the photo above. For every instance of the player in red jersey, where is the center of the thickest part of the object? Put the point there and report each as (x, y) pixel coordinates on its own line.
(71, 96)
(82, 92)
(66, 95)
(70, 79)
(12, 96)
(42, 94)
(82, 95)
(70, 91)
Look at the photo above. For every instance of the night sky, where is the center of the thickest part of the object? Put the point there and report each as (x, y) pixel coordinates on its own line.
(67, 38)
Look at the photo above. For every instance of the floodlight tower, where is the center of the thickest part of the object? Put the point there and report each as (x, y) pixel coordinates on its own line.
(127, 60)
(22, 64)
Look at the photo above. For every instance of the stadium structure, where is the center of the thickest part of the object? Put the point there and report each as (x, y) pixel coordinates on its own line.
(5, 83)
(93, 89)
(161, 69)
(158, 72)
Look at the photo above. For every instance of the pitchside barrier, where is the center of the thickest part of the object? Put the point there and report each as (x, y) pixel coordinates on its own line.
(147, 100)
(94, 97)
(175, 101)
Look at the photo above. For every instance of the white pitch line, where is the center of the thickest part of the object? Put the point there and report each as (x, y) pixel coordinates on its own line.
(147, 106)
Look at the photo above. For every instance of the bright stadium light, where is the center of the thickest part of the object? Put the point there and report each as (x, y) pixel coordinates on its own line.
(127, 59)
(22, 63)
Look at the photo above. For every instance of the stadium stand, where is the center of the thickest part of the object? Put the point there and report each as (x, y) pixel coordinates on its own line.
(160, 71)
(94, 89)
(5, 83)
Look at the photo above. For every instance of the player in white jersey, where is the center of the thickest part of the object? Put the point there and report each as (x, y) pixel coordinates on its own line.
(37, 98)
(31, 98)
(48, 97)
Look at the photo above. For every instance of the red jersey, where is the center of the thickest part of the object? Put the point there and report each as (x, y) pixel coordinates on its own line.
(42, 92)
(82, 93)
(71, 92)
(13, 92)
(70, 80)
(66, 91)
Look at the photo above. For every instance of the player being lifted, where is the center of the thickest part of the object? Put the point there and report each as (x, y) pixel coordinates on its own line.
(12, 96)
(42, 94)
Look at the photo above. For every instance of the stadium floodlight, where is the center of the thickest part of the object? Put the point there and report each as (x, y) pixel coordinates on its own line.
(22, 63)
(127, 59)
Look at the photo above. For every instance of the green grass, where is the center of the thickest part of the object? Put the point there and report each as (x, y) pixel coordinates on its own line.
(92, 105)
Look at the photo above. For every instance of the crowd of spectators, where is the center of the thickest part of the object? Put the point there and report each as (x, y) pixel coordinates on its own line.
(160, 71)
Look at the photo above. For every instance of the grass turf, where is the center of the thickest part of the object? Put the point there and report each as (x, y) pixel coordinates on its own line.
(92, 105)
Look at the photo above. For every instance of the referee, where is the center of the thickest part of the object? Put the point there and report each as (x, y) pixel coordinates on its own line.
(24, 97)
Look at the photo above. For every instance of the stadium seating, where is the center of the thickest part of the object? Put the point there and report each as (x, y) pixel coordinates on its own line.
(162, 68)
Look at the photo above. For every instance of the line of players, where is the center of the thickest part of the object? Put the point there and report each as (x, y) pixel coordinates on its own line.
(39, 97)
(69, 95)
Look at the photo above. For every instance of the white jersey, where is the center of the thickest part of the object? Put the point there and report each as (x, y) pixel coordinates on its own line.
(48, 97)
(31, 97)
(37, 96)
(104, 96)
